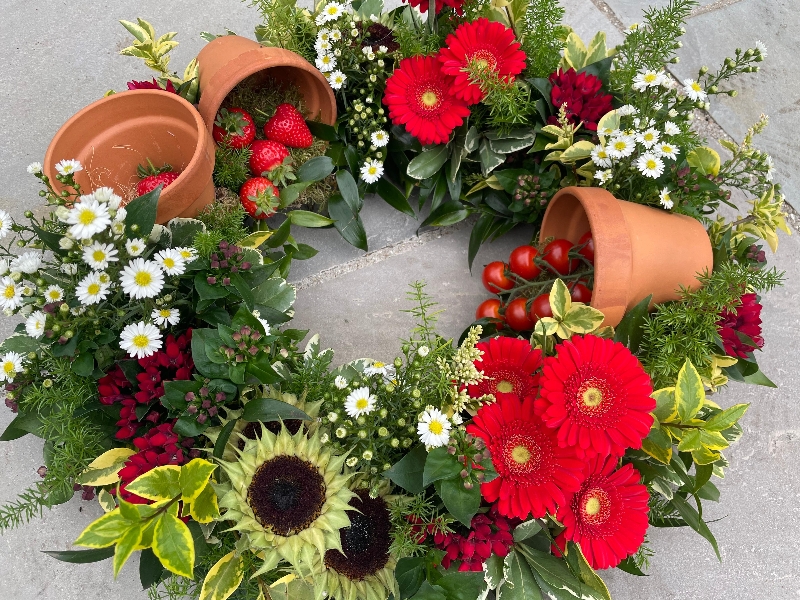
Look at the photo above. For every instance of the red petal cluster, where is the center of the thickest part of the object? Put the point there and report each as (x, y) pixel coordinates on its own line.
(151, 85)
(745, 319)
(489, 43)
(420, 98)
(423, 5)
(607, 517)
(509, 366)
(582, 96)
(489, 534)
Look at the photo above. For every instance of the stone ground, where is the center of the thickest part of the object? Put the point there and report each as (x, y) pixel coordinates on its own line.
(62, 55)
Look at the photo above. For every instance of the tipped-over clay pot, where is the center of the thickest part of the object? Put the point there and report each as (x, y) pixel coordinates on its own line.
(230, 59)
(638, 250)
(113, 136)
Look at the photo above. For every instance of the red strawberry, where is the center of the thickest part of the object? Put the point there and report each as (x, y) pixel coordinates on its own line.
(152, 177)
(288, 127)
(271, 159)
(259, 197)
(234, 127)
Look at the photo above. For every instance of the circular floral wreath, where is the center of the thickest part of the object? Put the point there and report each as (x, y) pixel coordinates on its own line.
(155, 360)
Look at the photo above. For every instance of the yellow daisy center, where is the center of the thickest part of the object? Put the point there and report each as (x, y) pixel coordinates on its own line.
(143, 278)
(372, 170)
(379, 365)
(362, 404)
(520, 455)
(435, 427)
(10, 291)
(141, 341)
(505, 387)
(86, 217)
(592, 397)
(186, 254)
(651, 164)
(165, 313)
(8, 367)
(696, 87)
(54, 295)
(620, 145)
(93, 289)
(98, 255)
(169, 263)
(333, 10)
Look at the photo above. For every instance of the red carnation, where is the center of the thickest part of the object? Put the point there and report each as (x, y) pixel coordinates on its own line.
(534, 473)
(582, 95)
(423, 5)
(509, 366)
(487, 44)
(744, 319)
(607, 517)
(419, 97)
(152, 85)
(597, 395)
(489, 534)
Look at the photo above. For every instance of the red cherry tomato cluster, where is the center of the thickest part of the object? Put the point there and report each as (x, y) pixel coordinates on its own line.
(527, 264)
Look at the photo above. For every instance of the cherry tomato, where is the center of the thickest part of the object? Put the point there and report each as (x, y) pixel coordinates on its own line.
(580, 293)
(489, 309)
(588, 250)
(556, 253)
(494, 277)
(521, 262)
(517, 315)
(540, 307)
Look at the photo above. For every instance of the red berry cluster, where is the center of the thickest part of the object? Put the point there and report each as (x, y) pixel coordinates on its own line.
(489, 533)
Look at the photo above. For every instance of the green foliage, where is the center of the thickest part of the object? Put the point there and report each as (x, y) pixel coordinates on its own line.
(414, 39)
(224, 220)
(232, 167)
(285, 25)
(542, 36)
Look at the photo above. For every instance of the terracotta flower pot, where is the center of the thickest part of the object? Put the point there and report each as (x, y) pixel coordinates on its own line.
(114, 135)
(638, 250)
(230, 59)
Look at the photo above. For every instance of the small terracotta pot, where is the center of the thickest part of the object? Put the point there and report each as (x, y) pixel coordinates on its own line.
(230, 59)
(638, 250)
(114, 135)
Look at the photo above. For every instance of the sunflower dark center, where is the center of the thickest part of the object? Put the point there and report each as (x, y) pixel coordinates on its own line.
(287, 494)
(357, 538)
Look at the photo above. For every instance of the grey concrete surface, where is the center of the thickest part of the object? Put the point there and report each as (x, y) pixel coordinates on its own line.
(62, 55)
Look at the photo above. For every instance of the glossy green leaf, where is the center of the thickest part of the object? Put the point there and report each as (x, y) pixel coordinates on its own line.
(150, 569)
(347, 222)
(519, 583)
(270, 409)
(689, 392)
(222, 439)
(173, 545)
(205, 507)
(224, 578)
(440, 464)
(394, 197)
(81, 557)
(692, 518)
(126, 545)
(410, 573)
(141, 212)
(315, 169)
(555, 579)
(630, 329)
(427, 591)
(408, 471)
(666, 405)
(460, 502)
(526, 530)
(727, 418)
(560, 301)
(161, 483)
(104, 532)
(305, 218)
(194, 477)
(428, 162)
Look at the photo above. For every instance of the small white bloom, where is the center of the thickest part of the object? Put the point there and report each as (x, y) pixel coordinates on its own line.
(324, 35)
(10, 365)
(340, 383)
(433, 428)
(633, 27)
(383, 49)
(423, 351)
(120, 214)
(5, 223)
(336, 35)
(66, 243)
(621, 146)
(646, 79)
(165, 316)
(54, 293)
(140, 340)
(326, 62)
(665, 199)
(171, 261)
(666, 150)
(768, 162)
(142, 279)
(694, 90)
(135, 246)
(671, 129)
(761, 49)
(69, 269)
(27, 263)
(4, 266)
(10, 293)
(377, 368)
(322, 46)
(379, 138)
(626, 110)
(88, 218)
(104, 277)
(647, 138)
(35, 168)
(600, 156)
(371, 171)
(68, 167)
(98, 255)
(672, 113)
(603, 176)
(650, 165)
(35, 323)
(359, 402)
(188, 254)
(91, 290)
(332, 11)
(337, 79)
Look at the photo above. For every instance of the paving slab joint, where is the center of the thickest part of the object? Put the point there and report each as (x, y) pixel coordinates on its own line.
(701, 10)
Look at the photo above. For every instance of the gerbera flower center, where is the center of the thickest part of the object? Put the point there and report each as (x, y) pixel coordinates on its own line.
(522, 454)
(429, 99)
(483, 60)
(592, 393)
(286, 494)
(595, 506)
(143, 278)
(141, 340)
(505, 387)
(86, 217)
(592, 397)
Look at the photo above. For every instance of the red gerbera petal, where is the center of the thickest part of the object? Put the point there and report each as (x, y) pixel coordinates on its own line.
(510, 366)
(607, 517)
(488, 43)
(534, 473)
(596, 395)
(419, 97)
(423, 5)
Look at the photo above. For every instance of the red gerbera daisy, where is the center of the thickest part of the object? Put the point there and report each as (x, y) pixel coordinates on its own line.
(509, 366)
(597, 395)
(418, 96)
(487, 44)
(582, 94)
(534, 473)
(607, 518)
(745, 319)
(423, 5)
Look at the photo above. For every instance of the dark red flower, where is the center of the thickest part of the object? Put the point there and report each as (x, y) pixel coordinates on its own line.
(607, 517)
(744, 319)
(489, 533)
(151, 85)
(423, 5)
(582, 94)
(509, 366)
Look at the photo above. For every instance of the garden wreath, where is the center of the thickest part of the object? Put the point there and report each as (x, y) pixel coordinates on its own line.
(156, 360)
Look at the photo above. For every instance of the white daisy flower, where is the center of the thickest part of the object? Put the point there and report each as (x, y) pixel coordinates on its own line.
(324, 35)
(54, 293)
(142, 279)
(188, 254)
(359, 402)
(603, 176)
(371, 171)
(140, 340)
(68, 167)
(671, 129)
(647, 138)
(340, 382)
(383, 49)
(135, 246)
(322, 46)
(768, 162)
(761, 49)
(165, 316)
(119, 215)
(694, 90)
(600, 156)
(665, 199)
(646, 79)
(35, 323)
(69, 269)
(104, 277)
(326, 62)
(434, 428)
(4, 266)
(337, 80)
(666, 150)
(626, 110)
(171, 261)
(88, 218)
(5, 223)
(35, 168)
(379, 138)
(336, 35)
(91, 290)
(377, 368)
(27, 263)
(332, 11)
(621, 146)
(98, 255)
(10, 365)
(423, 351)
(650, 165)
(10, 294)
